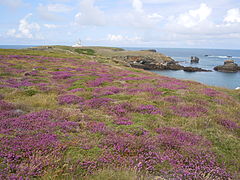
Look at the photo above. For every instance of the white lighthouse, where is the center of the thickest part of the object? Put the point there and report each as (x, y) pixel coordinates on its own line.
(78, 44)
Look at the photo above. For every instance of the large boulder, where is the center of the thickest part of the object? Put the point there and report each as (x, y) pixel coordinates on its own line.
(173, 65)
(194, 59)
(229, 66)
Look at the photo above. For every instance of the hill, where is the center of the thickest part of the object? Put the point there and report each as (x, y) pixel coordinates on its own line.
(80, 114)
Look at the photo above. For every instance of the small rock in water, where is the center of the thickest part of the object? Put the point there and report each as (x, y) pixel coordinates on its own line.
(194, 59)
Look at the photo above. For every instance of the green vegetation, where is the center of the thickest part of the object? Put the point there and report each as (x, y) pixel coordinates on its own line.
(66, 114)
(85, 51)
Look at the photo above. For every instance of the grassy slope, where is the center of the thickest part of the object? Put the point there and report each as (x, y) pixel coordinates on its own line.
(113, 113)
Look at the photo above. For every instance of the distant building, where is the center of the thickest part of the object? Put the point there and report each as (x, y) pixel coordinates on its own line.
(78, 44)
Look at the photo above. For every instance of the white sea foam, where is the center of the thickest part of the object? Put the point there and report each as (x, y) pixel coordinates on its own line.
(225, 57)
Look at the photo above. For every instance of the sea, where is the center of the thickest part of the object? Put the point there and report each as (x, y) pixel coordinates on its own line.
(209, 58)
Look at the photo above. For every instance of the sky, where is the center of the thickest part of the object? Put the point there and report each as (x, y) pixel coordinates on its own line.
(122, 23)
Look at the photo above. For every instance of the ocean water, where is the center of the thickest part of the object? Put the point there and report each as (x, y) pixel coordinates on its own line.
(215, 57)
(16, 46)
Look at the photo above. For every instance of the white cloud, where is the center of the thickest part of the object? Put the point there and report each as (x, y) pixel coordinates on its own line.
(50, 26)
(11, 32)
(233, 16)
(137, 5)
(12, 3)
(119, 37)
(25, 29)
(45, 14)
(139, 18)
(155, 16)
(58, 8)
(52, 12)
(90, 14)
(194, 17)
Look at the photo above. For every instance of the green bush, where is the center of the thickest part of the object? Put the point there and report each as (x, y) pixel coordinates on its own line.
(85, 51)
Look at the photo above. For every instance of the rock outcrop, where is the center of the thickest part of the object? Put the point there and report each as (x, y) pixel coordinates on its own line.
(194, 59)
(151, 50)
(229, 66)
(149, 63)
(195, 69)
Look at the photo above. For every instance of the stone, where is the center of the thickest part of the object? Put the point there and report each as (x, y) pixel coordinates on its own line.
(229, 66)
(195, 69)
(194, 59)
(228, 61)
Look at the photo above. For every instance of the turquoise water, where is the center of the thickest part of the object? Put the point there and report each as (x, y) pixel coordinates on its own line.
(215, 57)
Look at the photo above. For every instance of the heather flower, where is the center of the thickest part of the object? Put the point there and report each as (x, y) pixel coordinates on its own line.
(173, 84)
(61, 75)
(123, 121)
(189, 110)
(97, 102)
(148, 109)
(174, 137)
(70, 99)
(121, 112)
(76, 90)
(97, 127)
(228, 124)
(210, 92)
(106, 91)
(172, 99)
(99, 81)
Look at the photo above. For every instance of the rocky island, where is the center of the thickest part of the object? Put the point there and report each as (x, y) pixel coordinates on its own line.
(229, 66)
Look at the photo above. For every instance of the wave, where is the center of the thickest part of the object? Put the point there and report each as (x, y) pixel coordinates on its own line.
(222, 57)
(225, 57)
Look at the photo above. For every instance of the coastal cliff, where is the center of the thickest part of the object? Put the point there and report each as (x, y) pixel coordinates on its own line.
(85, 113)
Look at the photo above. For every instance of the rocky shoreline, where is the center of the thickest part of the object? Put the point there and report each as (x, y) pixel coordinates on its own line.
(150, 63)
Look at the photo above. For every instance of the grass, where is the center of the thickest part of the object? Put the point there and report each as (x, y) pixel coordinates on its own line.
(85, 51)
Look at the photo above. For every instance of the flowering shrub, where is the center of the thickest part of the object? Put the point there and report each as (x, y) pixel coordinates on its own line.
(172, 99)
(148, 109)
(210, 92)
(97, 127)
(61, 75)
(76, 90)
(189, 110)
(123, 121)
(70, 99)
(228, 124)
(97, 102)
(25, 143)
(99, 81)
(173, 84)
(106, 91)
(122, 109)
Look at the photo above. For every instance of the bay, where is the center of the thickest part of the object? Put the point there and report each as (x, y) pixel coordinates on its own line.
(209, 58)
